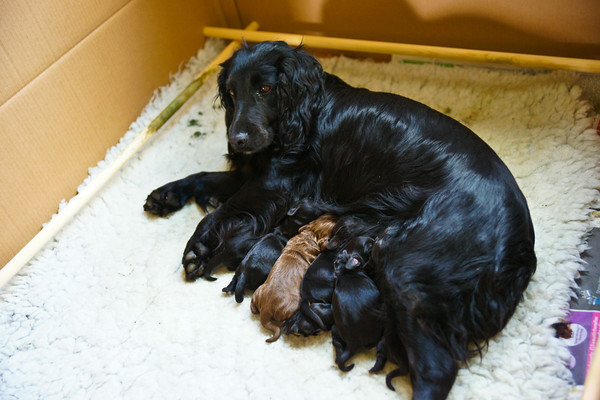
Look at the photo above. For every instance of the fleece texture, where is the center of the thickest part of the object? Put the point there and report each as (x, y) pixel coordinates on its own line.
(103, 311)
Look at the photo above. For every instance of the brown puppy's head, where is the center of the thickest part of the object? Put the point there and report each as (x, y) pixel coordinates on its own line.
(321, 228)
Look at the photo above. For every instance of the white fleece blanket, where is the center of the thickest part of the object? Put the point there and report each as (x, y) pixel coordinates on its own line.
(103, 312)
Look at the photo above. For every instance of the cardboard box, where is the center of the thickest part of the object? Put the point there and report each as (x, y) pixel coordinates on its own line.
(75, 75)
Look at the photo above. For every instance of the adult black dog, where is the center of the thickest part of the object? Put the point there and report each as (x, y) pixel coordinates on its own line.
(455, 248)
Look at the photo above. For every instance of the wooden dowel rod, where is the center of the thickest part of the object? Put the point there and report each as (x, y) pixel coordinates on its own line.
(95, 185)
(591, 389)
(427, 52)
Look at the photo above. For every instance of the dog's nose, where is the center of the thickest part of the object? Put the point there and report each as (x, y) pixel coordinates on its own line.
(239, 140)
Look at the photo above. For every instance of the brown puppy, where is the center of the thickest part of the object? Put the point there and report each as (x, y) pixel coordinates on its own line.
(278, 298)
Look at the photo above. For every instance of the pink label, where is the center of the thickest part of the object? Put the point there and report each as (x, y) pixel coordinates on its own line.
(593, 338)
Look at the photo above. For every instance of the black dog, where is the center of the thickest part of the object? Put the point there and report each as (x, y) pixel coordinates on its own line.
(455, 241)
(315, 313)
(358, 315)
(256, 265)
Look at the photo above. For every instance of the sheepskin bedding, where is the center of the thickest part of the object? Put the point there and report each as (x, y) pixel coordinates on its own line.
(103, 312)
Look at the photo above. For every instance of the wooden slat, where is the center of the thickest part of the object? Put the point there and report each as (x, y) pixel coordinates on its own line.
(418, 51)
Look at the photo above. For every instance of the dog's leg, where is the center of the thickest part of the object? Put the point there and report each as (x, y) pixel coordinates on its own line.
(342, 353)
(235, 225)
(308, 312)
(231, 287)
(198, 249)
(431, 367)
(207, 188)
(325, 313)
(380, 358)
(299, 324)
(433, 370)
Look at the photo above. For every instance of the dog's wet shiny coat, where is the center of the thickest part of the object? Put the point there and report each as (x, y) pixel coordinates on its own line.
(455, 242)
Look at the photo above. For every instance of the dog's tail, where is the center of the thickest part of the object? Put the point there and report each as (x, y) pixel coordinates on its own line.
(392, 375)
(273, 327)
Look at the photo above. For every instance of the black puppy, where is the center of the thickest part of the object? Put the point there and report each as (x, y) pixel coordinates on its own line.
(255, 267)
(358, 315)
(300, 214)
(315, 313)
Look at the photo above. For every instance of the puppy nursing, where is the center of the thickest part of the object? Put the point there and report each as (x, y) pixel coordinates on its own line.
(357, 306)
(256, 265)
(279, 297)
(454, 245)
(315, 313)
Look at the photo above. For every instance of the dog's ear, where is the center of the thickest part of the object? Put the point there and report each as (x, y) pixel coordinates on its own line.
(299, 89)
(293, 211)
(368, 244)
(224, 97)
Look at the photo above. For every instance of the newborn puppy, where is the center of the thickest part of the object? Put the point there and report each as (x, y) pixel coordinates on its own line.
(230, 251)
(303, 212)
(315, 313)
(278, 298)
(347, 228)
(256, 265)
(358, 312)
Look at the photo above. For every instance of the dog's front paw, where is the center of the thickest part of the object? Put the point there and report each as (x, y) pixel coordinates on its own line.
(165, 200)
(195, 260)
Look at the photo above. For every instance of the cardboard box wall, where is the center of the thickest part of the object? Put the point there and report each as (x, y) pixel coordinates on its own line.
(76, 74)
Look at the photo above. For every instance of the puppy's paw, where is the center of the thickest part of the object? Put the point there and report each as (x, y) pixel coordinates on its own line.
(347, 260)
(230, 289)
(165, 200)
(299, 325)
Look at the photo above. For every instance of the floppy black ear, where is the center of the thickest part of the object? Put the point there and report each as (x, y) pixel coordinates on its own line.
(224, 97)
(300, 89)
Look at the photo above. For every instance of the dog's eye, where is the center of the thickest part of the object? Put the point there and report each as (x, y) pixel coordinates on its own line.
(264, 89)
(231, 93)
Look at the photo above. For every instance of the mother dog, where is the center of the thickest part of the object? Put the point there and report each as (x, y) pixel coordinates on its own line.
(455, 242)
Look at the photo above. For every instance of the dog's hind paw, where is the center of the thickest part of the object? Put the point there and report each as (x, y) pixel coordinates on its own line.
(347, 260)
(299, 325)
